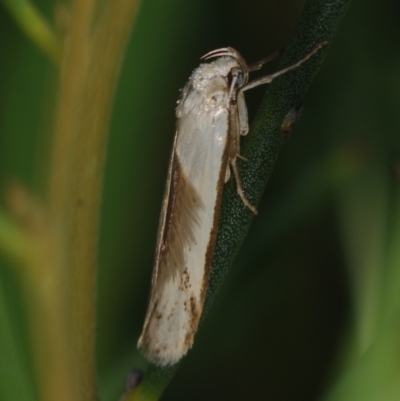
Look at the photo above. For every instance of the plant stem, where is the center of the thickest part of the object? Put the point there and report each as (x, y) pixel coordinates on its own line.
(91, 61)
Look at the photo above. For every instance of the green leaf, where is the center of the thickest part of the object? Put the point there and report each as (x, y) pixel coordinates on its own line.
(35, 27)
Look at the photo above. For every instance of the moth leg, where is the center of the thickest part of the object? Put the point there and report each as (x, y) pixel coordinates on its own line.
(227, 173)
(241, 124)
(239, 188)
(242, 114)
(242, 157)
(234, 148)
(269, 78)
(258, 65)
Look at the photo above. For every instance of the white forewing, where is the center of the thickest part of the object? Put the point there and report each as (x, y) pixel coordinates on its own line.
(191, 207)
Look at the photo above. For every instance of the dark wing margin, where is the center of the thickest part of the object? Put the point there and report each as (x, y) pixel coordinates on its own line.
(179, 215)
(182, 214)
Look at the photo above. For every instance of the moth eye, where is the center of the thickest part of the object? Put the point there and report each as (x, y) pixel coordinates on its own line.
(239, 78)
(236, 76)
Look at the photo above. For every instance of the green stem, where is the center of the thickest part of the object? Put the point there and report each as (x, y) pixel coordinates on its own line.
(153, 384)
(12, 241)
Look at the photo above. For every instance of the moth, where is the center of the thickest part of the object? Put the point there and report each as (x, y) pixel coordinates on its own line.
(211, 118)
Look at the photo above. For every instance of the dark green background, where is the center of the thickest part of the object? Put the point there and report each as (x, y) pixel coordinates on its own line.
(278, 327)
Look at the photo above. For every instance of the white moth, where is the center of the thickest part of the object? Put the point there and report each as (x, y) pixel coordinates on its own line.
(211, 117)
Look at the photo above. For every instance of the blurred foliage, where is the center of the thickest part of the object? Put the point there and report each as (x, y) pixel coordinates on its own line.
(311, 307)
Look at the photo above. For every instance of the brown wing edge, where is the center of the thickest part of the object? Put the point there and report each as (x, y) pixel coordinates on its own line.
(217, 213)
(180, 212)
(198, 309)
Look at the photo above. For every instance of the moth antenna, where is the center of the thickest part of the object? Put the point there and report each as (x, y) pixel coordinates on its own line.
(269, 78)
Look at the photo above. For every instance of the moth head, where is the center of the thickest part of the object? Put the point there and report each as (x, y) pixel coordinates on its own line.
(237, 71)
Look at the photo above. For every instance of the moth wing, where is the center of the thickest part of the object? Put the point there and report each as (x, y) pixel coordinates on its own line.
(188, 226)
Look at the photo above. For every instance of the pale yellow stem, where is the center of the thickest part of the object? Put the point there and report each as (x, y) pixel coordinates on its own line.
(92, 58)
